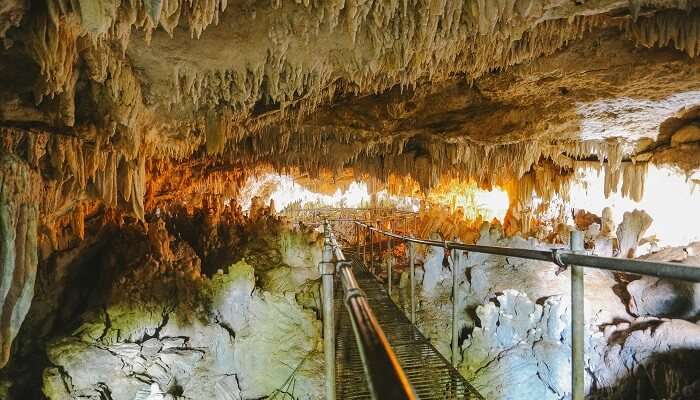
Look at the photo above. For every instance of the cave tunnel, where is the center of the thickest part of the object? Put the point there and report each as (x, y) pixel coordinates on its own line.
(345, 199)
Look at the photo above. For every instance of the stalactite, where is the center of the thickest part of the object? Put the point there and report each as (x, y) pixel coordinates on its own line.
(678, 28)
(19, 214)
(53, 46)
(633, 176)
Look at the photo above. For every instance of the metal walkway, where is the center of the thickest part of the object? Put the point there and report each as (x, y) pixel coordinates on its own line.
(431, 375)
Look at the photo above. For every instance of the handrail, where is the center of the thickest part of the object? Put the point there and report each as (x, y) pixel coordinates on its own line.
(575, 258)
(383, 372)
(354, 209)
(385, 377)
(564, 257)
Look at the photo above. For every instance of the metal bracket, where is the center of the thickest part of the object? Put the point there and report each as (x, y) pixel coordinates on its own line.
(447, 257)
(556, 259)
(326, 268)
(354, 292)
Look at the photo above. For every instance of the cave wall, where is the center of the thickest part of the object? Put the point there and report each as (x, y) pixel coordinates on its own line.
(19, 216)
(113, 110)
(135, 303)
(513, 314)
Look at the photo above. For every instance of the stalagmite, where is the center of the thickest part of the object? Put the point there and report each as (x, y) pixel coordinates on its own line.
(631, 231)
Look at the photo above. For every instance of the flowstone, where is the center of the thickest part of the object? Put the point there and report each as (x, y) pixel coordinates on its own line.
(520, 350)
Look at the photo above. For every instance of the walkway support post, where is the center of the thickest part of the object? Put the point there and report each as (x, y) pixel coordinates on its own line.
(357, 238)
(327, 270)
(388, 266)
(455, 301)
(371, 250)
(577, 321)
(364, 247)
(412, 267)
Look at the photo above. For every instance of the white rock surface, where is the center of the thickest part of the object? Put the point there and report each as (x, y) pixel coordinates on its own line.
(520, 350)
(651, 296)
(517, 342)
(248, 344)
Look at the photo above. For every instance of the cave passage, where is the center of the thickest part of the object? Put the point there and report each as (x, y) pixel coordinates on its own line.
(166, 168)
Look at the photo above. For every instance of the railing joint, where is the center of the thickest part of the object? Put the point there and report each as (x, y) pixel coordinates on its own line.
(352, 293)
(326, 268)
(556, 259)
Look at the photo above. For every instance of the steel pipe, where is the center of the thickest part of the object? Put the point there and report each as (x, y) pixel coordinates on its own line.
(566, 257)
(327, 271)
(389, 266)
(455, 305)
(412, 267)
(577, 321)
(385, 377)
(364, 248)
(653, 268)
(371, 251)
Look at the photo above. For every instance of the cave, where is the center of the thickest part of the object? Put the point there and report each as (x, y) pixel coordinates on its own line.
(177, 175)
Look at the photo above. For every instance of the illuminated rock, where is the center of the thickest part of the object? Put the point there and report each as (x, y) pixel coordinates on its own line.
(631, 230)
(173, 334)
(18, 246)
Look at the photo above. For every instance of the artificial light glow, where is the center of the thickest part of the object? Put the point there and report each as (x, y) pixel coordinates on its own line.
(284, 192)
(668, 198)
(473, 202)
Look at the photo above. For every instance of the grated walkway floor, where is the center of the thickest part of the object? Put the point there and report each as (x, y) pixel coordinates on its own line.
(431, 375)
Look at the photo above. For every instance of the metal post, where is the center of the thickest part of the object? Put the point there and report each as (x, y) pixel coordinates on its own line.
(411, 264)
(357, 239)
(364, 248)
(327, 271)
(577, 321)
(455, 301)
(371, 251)
(389, 265)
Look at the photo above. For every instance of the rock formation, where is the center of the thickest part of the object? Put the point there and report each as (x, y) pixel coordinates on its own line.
(152, 320)
(143, 119)
(514, 318)
(18, 248)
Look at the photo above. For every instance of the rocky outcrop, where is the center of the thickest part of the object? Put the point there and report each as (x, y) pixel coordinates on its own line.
(245, 344)
(651, 296)
(648, 358)
(521, 349)
(11, 13)
(134, 304)
(514, 321)
(19, 214)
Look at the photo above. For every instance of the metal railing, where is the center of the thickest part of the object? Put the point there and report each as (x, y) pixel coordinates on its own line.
(385, 377)
(574, 257)
(381, 368)
(374, 214)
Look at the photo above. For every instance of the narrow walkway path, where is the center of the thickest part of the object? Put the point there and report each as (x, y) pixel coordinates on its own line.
(432, 376)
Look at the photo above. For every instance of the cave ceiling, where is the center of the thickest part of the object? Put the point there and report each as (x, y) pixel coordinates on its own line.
(101, 95)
